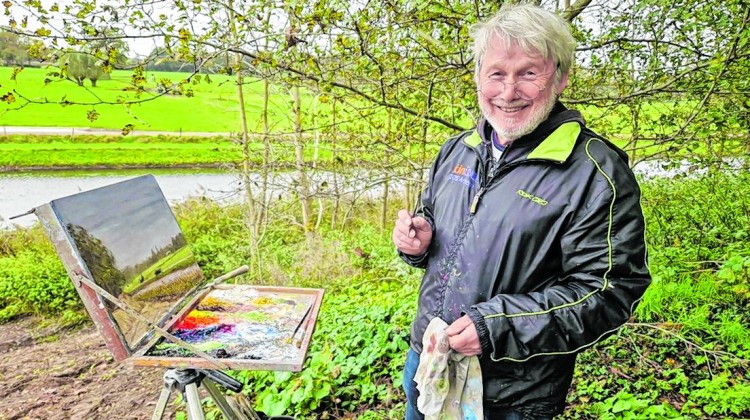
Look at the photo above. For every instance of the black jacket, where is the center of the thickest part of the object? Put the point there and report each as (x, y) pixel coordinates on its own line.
(544, 250)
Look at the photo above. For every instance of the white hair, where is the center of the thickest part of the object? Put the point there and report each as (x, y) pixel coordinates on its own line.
(535, 30)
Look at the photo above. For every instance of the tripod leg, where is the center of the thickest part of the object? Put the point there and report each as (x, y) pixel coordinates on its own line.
(161, 404)
(241, 405)
(220, 401)
(193, 399)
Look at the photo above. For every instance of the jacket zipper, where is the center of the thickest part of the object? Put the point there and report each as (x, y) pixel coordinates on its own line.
(487, 175)
(475, 201)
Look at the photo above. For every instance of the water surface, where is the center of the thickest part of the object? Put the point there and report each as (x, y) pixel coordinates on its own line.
(22, 191)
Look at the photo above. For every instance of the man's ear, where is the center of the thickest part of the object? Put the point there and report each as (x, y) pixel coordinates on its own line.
(562, 84)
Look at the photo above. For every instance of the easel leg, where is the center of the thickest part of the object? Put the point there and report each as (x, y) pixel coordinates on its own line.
(161, 405)
(219, 400)
(188, 380)
(193, 399)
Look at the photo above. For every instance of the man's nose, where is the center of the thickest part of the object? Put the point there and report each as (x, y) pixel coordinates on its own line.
(509, 91)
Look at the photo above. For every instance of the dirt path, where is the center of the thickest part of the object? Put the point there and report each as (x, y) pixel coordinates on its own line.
(46, 373)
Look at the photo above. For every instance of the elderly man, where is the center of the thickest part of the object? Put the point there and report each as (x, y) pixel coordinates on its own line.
(529, 229)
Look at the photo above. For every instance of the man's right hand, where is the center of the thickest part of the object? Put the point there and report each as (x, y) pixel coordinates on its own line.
(411, 235)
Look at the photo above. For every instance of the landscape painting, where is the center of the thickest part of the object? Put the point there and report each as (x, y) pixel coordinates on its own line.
(133, 248)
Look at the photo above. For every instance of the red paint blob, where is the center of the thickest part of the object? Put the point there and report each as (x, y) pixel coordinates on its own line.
(197, 319)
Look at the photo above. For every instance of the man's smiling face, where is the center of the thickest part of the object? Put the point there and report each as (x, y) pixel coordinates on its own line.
(516, 90)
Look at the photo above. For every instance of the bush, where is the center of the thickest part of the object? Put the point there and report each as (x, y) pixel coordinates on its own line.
(33, 280)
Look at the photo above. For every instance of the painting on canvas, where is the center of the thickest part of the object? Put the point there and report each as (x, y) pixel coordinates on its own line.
(123, 238)
(132, 246)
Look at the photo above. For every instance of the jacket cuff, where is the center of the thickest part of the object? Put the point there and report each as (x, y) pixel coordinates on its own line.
(418, 261)
(482, 332)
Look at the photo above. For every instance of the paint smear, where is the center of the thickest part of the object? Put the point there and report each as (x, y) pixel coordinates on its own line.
(197, 319)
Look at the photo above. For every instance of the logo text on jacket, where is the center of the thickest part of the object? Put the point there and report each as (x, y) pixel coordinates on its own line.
(464, 175)
(533, 198)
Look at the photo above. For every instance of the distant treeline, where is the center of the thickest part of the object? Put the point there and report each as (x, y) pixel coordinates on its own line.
(177, 242)
(14, 52)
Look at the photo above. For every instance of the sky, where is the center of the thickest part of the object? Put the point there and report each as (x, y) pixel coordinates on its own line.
(139, 47)
(130, 217)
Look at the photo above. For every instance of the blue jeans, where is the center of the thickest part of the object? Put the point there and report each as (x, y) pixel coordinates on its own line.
(410, 387)
(412, 393)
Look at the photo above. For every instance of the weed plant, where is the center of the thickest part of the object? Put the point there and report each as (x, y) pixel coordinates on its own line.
(683, 355)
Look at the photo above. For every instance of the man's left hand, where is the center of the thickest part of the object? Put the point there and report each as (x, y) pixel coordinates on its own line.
(463, 337)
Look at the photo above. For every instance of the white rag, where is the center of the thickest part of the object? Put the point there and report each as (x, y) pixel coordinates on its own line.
(449, 383)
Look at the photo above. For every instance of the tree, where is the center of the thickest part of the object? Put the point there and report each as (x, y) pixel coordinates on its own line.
(659, 73)
(666, 78)
(13, 49)
(79, 66)
(99, 260)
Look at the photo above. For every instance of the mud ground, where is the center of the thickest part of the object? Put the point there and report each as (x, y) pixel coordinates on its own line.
(53, 373)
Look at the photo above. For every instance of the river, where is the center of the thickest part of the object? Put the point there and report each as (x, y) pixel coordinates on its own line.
(22, 191)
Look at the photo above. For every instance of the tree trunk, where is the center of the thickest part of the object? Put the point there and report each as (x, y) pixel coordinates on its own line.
(334, 166)
(634, 137)
(303, 187)
(246, 182)
(262, 209)
(387, 172)
(251, 204)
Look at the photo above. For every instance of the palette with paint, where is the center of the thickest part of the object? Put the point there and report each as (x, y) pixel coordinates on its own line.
(137, 277)
(248, 327)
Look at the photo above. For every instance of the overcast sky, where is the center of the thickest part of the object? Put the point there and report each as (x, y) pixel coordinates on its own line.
(130, 218)
(138, 46)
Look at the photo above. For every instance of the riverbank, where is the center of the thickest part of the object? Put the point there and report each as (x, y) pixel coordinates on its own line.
(24, 190)
(52, 152)
(58, 154)
(98, 168)
(78, 131)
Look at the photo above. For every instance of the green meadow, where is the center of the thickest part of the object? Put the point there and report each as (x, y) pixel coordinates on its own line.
(212, 106)
(35, 97)
(61, 154)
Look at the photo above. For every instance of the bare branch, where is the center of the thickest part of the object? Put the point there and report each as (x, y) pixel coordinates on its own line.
(574, 10)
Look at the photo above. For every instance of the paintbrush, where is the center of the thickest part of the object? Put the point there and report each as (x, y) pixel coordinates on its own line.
(299, 324)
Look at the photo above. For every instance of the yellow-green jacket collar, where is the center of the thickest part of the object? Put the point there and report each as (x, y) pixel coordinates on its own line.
(556, 147)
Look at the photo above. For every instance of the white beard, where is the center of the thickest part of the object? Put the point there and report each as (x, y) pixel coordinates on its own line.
(536, 118)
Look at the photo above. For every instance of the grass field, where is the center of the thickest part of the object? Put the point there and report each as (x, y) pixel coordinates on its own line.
(116, 152)
(117, 155)
(179, 259)
(213, 107)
